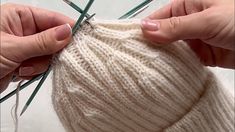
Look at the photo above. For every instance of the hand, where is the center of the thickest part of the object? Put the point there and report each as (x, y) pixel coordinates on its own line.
(29, 37)
(206, 25)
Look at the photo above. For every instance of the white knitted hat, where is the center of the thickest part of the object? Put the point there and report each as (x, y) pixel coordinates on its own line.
(111, 79)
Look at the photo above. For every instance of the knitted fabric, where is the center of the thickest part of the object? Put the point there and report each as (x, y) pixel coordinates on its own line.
(111, 79)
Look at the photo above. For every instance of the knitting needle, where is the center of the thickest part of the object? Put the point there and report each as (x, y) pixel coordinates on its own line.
(74, 6)
(80, 19)
(75, 28)
(139, 11)
(45, 74)
(135, 9)
(39, 76)
(21, 88)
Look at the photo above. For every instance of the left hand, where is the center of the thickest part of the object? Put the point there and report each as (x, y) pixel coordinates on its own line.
(29, 37)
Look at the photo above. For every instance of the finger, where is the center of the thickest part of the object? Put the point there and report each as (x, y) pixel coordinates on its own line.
(10, 20)
(27, 20)
(34, 66)
(178, 8)
(213, 56)
(5, 82)
(192, 26)
(203, 51)
(44, 43)
(27, 78)
(18, 78)
(33, 18)
(162, 13)
(45, 19)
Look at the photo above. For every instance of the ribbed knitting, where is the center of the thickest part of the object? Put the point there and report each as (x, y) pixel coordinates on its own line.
(111, 79)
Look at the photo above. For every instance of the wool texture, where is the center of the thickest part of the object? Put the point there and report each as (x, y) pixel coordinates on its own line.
(111, 79)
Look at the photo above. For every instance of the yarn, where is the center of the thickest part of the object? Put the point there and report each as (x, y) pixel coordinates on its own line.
(111, 79)
(14, 114)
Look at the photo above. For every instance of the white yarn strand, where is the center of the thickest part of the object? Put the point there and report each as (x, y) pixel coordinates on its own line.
(14, 110)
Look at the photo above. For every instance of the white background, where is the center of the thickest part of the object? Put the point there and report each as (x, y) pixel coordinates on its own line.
(40, 116)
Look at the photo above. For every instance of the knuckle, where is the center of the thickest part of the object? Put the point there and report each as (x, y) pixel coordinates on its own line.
(174, 25)
(213, 26)
(41, 43)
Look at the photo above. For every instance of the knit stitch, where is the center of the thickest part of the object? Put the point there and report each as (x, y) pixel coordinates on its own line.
(111, 79)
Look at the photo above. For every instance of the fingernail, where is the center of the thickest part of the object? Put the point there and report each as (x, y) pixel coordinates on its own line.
(150, 25)
(63, 32)
(26, 71)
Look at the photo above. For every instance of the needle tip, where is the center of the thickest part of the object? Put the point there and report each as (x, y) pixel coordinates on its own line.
(67, 1)
(23, 110)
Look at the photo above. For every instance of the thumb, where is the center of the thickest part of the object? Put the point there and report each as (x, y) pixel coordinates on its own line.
(44, 43)
(175, 28)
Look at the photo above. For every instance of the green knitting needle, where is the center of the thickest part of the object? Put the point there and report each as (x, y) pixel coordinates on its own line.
(139, 11)
(39, 76)
(80, 19)
(135, 9)
(75, 28)
(127, 15)
(21, 88)
(45, 74)
(74, 6)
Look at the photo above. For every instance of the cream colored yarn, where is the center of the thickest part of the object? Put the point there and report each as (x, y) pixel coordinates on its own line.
(111, 79)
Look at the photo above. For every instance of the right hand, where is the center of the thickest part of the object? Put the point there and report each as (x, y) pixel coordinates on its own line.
(206, 25)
